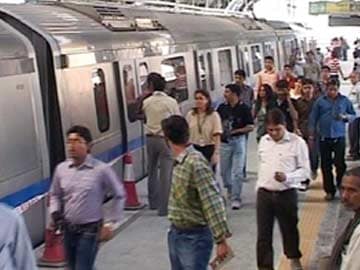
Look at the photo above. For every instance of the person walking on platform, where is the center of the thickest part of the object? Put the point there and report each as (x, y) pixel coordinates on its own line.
(324, 78)
(78, 189)
(237, 121)
(354, 126)
(268, 75)
(157, 107)
(205, 127)
(16, 252)
(265, 102)
(286, 105)
(247, 97)
(335, 68)
(312, 68)
(331, 112)
(283, 164)
(196, 208)
(303, 106)
(345, 254)
(247, 92)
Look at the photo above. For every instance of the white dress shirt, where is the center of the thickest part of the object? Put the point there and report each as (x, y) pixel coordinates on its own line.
(350, 259)
(290, 155)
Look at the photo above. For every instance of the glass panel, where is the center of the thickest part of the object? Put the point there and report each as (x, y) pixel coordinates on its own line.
(202, 72)
(174, 72)
(246, 60)
(101, 104)
(225, 67)
(143, 73)
(211, 71)
(269, 49)
(256, 58)
(130, 92)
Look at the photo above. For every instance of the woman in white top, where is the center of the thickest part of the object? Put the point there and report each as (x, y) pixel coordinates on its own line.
(205, 127)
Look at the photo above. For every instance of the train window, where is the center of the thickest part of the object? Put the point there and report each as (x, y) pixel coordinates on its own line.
(202, 72)
(246, 60)
(143, 72)
(225, 67)
(256, 58)
(269, 49)
(174, 72)
(101, 103)
(211, 71)
(130, 92)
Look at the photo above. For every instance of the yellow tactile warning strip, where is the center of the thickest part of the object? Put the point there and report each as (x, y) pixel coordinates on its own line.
(310, 217)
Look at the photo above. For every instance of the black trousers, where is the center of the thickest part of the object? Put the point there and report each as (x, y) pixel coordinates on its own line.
(281, 205)
(332, 152)
(207, 151)
(354, 137)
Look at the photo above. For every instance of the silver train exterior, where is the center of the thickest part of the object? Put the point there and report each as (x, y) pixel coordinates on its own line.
(66, 64)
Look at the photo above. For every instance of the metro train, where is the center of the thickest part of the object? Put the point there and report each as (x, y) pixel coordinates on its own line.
(64, 63)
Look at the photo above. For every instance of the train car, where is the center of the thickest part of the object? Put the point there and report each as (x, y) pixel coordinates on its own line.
(89, 66)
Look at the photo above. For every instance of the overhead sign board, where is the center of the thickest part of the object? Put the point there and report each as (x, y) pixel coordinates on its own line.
(327, 7)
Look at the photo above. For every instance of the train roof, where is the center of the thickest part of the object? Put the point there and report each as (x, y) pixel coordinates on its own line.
(72, 28)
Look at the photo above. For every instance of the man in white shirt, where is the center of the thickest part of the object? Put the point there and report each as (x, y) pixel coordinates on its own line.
(354, 126)
(283, 164)
(157, 107)
(346, 251)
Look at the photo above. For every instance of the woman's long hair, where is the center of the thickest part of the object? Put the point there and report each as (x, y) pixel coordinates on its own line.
(206, 94)
(269, 97)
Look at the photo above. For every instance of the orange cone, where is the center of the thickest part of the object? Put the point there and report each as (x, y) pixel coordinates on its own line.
(132, 202)
(54, 254)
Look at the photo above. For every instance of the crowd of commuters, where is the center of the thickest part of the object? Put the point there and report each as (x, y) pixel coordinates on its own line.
(299, 116)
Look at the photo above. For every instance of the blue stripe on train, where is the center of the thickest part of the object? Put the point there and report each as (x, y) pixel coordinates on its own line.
(42, 186)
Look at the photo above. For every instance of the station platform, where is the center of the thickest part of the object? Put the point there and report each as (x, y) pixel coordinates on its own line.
(141, 242)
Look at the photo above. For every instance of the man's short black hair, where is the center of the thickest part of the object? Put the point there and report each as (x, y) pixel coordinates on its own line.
(275, 117)
(307, 81)
(287, 66)
(82, 131)
(333, 82)
(234, 88)
(240, 72)
(157, 81)
(282, 84)
(176, 129)
(269, 57)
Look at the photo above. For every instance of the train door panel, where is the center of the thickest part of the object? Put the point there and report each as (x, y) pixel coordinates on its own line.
(226, 62)
(142, 71)
(135, 133)
(244, 60)
(92, 101)
(206, 74)
(270, 50)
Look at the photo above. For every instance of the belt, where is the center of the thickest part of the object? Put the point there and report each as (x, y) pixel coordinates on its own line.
(195, 228)
(154, 135)
(86, 227)
(277, 191)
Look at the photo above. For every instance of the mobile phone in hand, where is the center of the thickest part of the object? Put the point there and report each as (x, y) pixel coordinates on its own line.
(217, 264)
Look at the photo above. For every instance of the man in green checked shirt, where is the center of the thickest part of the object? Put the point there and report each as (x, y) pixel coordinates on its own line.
(196, 208)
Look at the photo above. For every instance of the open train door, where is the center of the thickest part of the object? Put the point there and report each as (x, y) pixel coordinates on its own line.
(135, 130)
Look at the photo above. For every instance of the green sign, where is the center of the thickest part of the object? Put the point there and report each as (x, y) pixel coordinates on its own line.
(327, 7)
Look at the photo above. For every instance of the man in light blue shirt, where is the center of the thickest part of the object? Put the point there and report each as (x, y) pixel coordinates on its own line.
(331, 112)
(77, 192)
(16, 252)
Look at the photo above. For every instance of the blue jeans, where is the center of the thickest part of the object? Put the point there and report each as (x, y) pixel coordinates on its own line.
(80, 248)
(190, 249)
(232, 163)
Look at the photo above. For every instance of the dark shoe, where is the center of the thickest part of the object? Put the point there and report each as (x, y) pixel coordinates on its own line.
(304, 185)
(329, 197)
